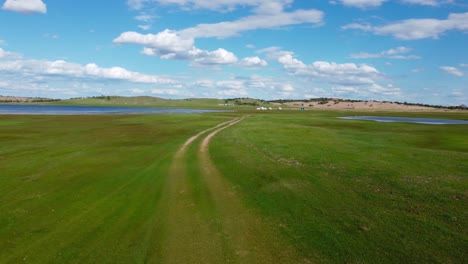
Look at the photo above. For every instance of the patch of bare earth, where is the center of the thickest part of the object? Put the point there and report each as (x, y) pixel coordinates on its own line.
(364, 105)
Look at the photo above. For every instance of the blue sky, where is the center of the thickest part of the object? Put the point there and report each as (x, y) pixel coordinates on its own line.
(401, 50)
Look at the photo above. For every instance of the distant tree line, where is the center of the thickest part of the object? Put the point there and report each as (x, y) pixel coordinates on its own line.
(13, 99)
(101, 97)
(244, 101)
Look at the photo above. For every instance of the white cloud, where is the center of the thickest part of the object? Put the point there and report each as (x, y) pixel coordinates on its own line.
(452, 71)
(137, 91)
(206, 83)
(42, 69)
(25, 6)
(252, 63)
(260, 6)
(216, 57)
(288, 88)
(8, 54)
(344, 79)
(363, 27)
(2, 42)
(166, 42)
(362, 3)
(232, 93)
(289, 62)
(377, 3)
(464, 65)
(412, 29)
(147, 19)
(395, 53)
(144, 27)
(136, 4)
(170, 92)
(144, 18)
(169, 44)
(274, 53)
(266, 14)
(258, 21)
(423, 2)
(2, 53)
(239, 86)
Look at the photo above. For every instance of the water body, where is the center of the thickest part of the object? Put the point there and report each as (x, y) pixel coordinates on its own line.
(430, 121)
(6, 109)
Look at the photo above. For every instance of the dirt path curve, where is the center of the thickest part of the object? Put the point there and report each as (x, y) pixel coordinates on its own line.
(224, 230)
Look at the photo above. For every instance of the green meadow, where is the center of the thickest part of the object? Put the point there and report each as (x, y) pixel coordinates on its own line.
(269, 187)
(149, 101)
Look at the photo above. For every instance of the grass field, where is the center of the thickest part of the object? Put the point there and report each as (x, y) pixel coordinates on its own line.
(148, 101)
(285, 187)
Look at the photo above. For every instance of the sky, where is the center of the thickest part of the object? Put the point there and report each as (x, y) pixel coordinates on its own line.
(393, 50)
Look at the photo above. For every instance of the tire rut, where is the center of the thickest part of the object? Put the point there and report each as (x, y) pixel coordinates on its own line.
(189, 238)
(230, 232)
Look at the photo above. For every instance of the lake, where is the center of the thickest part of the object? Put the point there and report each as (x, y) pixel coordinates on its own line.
(430, 121)
(6, 109)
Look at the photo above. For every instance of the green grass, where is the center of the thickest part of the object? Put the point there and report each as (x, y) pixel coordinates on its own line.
(148, 101)
(87, 189)
(324, 179)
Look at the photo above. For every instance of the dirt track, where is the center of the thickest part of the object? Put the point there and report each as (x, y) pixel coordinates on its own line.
(210, 223)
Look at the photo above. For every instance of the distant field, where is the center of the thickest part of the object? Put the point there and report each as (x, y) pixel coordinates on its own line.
(291, 186)
(148, 101)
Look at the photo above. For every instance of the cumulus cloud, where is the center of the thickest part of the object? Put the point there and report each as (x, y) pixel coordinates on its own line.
(241, 86)
(166, 42)
(252, 63)
(274, 53)
(344, 79)
(41, 69)
(452, 71)
(395, 53)
(169, 44)
(347, 74)
(216, 57)
(25, 6)
(4, 54)
(412, 29)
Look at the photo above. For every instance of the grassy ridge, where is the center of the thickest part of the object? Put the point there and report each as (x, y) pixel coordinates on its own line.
(80, 189)
(354, 191)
